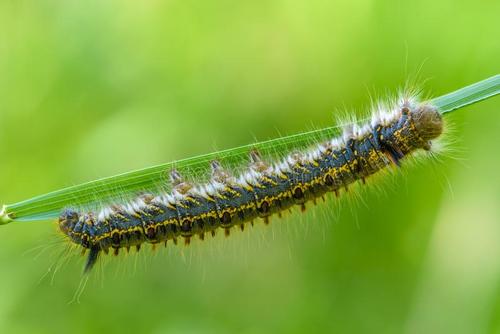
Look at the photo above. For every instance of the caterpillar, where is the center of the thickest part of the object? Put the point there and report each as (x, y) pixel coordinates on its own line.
(261, 190)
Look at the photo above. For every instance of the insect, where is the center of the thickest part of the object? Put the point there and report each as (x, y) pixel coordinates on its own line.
(260, 191)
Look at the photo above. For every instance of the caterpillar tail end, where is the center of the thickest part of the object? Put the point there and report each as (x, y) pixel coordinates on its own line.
(5, 218)
(91, 259)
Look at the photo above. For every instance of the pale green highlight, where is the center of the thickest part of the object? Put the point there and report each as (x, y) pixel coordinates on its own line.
(48, 206)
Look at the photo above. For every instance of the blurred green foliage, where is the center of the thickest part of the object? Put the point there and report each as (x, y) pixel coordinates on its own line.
(92, 88)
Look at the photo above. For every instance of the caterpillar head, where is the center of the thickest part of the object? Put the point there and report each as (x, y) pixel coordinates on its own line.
(67, 220)
(428, 121)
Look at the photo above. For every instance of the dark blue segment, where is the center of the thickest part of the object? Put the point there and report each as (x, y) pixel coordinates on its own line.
(272, 186)
(236, 198)
(190, 212)
(391, 143)
(155, 227)
(346, 174)
(362, 147)
(326, 164)
(123, 221)
(159, 213)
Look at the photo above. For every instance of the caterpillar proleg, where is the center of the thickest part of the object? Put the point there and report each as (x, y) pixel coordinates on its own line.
(263, 189)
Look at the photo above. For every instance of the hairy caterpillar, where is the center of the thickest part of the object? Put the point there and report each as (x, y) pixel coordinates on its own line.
(260, 191)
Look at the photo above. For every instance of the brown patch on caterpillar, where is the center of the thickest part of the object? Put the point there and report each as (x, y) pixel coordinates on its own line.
(256, 162)
(262, 191)
(219, 174)
(178, 182)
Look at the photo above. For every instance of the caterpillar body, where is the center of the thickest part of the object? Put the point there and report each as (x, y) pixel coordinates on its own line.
(261, 190)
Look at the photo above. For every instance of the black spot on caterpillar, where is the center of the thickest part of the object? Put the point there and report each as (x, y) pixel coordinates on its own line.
(260, 191)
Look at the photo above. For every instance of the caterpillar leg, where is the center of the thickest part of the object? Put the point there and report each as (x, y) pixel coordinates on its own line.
(92, 258)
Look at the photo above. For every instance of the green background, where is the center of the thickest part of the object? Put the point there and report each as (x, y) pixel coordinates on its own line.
(92, 88)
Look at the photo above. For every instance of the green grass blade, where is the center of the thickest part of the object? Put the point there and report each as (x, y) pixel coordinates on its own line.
(118, 187)
(148, 179)
(468, 95)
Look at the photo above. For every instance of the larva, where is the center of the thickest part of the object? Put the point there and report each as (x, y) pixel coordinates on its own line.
(261, 190)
